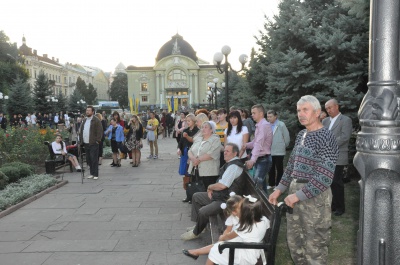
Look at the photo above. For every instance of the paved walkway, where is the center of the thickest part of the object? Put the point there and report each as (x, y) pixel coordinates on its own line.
(128, 216)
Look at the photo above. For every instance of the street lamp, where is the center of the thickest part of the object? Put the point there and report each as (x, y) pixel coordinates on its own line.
(2, 97)
(224, 68)
(81, 103)
(213, 92)
(52, 100)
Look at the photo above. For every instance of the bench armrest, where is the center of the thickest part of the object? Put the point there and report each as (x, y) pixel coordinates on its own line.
(244, 245)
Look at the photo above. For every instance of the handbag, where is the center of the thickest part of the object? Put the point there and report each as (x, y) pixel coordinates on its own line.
(183, 162)
(195, 184)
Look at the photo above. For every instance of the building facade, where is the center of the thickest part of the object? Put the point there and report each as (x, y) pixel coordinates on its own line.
(177, 73)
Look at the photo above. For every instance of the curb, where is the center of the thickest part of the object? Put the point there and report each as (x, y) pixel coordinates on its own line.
(32, 198)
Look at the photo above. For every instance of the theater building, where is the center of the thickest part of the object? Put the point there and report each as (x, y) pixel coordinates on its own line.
(177, 72)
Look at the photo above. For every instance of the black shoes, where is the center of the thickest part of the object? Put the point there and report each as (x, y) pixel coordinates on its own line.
(338, 213)
(186, 253)
(186, 200)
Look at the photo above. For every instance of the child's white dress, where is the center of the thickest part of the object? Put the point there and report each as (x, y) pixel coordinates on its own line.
(243, 256)
(232, 221)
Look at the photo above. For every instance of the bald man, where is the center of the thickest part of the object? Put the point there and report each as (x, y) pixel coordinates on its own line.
(341, 126)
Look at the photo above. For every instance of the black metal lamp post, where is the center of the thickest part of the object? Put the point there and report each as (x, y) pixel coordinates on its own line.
(2, 98)
(82, 105)
(225, 67)
(378, 142)
(213, 92)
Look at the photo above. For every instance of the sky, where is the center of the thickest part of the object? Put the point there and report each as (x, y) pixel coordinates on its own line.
(93, 33)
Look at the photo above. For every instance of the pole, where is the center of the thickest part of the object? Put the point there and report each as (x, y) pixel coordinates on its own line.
(378, 149)
(226, 66)
(215, 95)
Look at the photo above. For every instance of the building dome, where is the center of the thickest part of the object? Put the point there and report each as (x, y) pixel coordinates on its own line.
(176, 46)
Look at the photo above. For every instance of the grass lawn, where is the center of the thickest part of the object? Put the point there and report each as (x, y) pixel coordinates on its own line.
(343, 245)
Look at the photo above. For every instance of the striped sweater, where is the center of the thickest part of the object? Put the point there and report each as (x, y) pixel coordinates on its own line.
(314, 159)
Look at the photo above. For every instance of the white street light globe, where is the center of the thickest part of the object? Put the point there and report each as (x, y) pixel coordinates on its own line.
(218, 57)
(6, 97)
(243, 58)
(223, 85)
(218, 92)
(226, 50)
(209, 92)
(215, 80)
(209, 84)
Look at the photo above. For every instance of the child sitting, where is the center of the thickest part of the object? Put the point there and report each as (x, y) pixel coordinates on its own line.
(252, 228)
(231, 209)
(59, 149)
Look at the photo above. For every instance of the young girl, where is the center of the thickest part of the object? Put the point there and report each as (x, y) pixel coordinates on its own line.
(231, 209)
(252, 228)
(59, 148)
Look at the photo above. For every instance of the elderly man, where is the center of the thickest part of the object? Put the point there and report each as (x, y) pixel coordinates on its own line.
(341, 126)
(308, 176)
(205, 204)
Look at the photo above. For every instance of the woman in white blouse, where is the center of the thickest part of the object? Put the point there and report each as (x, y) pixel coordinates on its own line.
(237, 133)
(59, 149)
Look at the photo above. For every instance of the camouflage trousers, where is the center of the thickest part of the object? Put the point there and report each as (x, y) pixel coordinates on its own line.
(309, 228)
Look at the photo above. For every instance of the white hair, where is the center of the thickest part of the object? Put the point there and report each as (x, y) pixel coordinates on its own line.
(310, 99)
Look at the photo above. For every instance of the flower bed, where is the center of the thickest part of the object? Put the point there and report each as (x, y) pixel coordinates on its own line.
(25, 188)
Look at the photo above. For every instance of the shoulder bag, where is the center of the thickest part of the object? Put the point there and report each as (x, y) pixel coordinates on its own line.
(195, 184)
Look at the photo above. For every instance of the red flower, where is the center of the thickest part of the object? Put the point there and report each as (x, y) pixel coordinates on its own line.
(7, 135)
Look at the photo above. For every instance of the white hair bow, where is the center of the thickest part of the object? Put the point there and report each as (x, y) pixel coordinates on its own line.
(251, 199)
(232, 193)
(223, 206)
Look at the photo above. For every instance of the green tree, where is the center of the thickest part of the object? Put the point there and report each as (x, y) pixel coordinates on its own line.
(62, 102)
(73, 102)
(312, 47)
(119, 90)
(91, 95)
(41, 92)
(81, 87)
(10, 66)
(20, 100)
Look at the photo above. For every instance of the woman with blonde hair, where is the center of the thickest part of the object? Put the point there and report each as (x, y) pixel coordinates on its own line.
(134, 139)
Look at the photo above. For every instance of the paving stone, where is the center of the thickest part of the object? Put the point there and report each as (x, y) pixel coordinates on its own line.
(71, 245)
(24, 258)
(13, 247)
(147, 217)
(143, 234)
(74, 234)
(17, 235)
(37, 215)
(113, 226)
(98, 258)
(138, 211)
(155, 245)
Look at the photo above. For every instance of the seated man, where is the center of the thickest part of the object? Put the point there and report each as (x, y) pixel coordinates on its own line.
(206, 204)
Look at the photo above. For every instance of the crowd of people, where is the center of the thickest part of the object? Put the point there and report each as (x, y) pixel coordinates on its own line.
(223, 144)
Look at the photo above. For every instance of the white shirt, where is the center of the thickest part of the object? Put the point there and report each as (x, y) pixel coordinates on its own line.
(56, 119)
(333, 120)
(86, 130)
(236, 138)
(33, 119)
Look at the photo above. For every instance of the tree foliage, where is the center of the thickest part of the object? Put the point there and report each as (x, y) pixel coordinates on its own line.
(317, 47)
(119, 90)
(62, 103)
(91, 95)
(9, 64)
(73, 102)
(41, 93)
(20, 100)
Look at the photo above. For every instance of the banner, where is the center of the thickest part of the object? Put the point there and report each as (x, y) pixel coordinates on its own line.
(172, 103)
(131, 104)
(169, 104)
(176, 104)
(137, 106)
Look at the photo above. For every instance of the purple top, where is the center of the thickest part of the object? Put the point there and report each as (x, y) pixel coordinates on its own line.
(262, 141)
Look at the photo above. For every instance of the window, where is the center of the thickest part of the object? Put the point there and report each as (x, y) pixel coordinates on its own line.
(144, 87)
(35, 73)
(176, 75)
(144, 98)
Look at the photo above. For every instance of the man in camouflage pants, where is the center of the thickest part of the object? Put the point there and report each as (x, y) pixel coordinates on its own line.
(308, 175)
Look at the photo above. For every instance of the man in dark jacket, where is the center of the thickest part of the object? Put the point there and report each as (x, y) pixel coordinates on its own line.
(3, 121)
(90, 134)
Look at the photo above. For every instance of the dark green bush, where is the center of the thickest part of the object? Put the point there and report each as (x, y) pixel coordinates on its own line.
(3, 180)
(16, 171)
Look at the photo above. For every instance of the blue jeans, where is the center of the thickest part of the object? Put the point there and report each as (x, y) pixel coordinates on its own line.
(261, 168)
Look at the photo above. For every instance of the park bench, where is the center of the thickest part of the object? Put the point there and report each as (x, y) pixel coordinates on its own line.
(55, 161)
(272, 212)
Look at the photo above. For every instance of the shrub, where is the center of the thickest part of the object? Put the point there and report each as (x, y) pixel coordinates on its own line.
(24, 144)
(17, 170)
(17, 192)
(3, 180)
